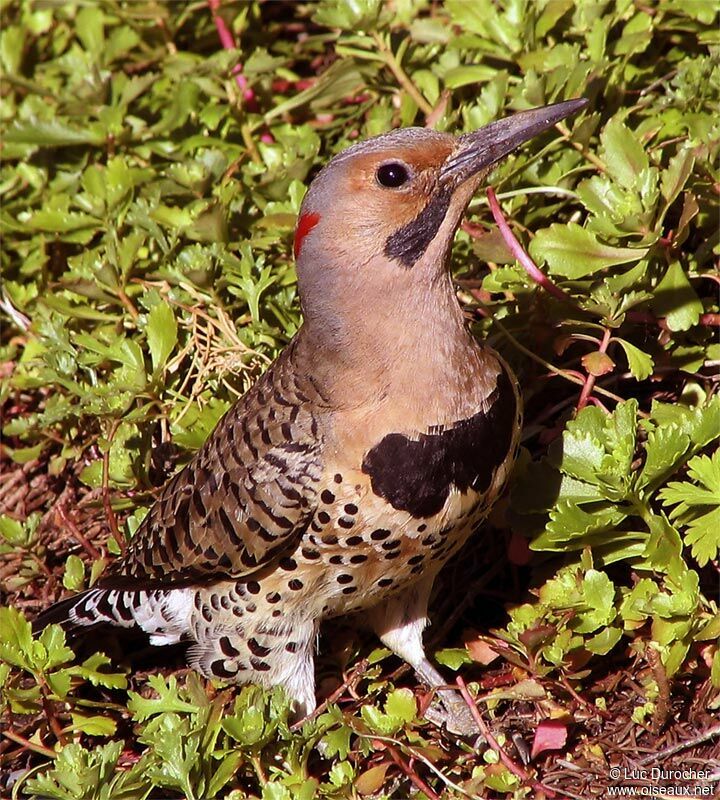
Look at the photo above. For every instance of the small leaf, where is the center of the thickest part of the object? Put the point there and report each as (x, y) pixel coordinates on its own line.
(676, 175)
(401, 704)
(161, 334)
(453, 657)
(676, 300)
(602, 643)
(624, 155)
(551, 734)
(598, 363)
(74, 573)
(372, 780)
(640, 363)
(93, 725)
(665, 448)
(575, 252)
(481, 652)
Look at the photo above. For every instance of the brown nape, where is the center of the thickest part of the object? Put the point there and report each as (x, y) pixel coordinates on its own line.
(362, 460)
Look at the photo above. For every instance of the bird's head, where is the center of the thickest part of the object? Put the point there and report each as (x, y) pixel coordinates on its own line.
(379, 219)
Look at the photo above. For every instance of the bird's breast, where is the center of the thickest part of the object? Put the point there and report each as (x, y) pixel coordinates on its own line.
(417, 474)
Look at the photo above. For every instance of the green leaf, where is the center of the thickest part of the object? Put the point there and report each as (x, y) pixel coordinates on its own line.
(161, 334)
(599, 600)
(640, 363)
(53, 134)
(697, 504)
(168, 699)
(11, 530)
(602, 643)
(575, 252)
(56, 651)
(664, 450)
(93, 725)
(623, 154)
(16, 645)
(354, 15)
(582, 448)
(74, 575)
(401, 704)
(78, 774)
(675, 299)
(676, 175)
(453, 657)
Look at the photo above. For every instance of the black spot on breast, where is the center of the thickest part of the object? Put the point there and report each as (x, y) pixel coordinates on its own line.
(392, 545)
(409, 242)
(227, 647)
(416, 475)
(257, 649)
(219, 670)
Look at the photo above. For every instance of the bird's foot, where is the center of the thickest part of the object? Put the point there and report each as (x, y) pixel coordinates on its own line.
(450, 711)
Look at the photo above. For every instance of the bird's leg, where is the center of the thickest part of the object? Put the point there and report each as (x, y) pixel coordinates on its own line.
(292, 643)
(399, 622)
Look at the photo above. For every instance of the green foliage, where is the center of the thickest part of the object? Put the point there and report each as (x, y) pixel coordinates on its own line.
(147, 209)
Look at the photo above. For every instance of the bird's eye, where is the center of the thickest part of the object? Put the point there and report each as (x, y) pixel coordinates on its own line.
(392, 175)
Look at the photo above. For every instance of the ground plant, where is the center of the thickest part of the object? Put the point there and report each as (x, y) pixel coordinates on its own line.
(153, 159)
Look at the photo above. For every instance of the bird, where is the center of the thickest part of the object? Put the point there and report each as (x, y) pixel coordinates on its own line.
(362, 459)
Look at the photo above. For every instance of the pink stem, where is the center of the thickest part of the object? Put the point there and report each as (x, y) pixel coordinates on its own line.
(590, 379)
(517, 250)
(516, 769)
(228, 42)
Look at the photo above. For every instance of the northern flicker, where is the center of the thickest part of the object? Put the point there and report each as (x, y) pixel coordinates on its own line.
(362, 459)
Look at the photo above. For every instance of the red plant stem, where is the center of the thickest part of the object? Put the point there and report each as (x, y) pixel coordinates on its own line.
(411, 774)
(516, 769)
(227, 40)
(711, 320)
(48, 710)
(517, 250)
(28, 745)
(89, 548)
(708, 320)
(590, 379)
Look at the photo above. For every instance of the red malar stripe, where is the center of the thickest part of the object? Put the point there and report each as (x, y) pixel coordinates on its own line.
(305, 224)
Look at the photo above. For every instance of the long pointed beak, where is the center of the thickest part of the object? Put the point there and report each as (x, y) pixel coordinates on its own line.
(480, 150)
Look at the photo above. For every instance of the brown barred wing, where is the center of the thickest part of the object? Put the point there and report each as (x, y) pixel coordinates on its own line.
(247, 496)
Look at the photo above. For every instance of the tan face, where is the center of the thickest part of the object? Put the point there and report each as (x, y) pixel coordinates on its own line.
(369, 195)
